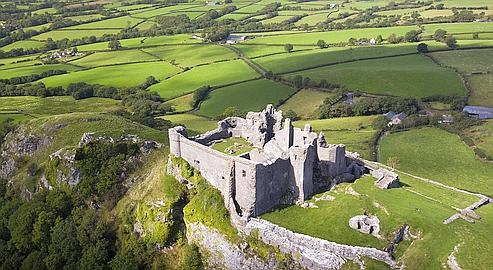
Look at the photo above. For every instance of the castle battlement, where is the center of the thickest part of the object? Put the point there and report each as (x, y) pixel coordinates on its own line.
(287, 165)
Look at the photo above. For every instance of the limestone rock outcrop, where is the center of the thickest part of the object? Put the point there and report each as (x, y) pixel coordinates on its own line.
(386, 179)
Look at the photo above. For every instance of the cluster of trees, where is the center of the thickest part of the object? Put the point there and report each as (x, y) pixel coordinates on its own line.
(305, 82)
(200, 94)
(456, 103)
(368, 106)
(441, 36)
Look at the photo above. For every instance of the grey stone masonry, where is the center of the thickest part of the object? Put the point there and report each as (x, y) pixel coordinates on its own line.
(288, 165)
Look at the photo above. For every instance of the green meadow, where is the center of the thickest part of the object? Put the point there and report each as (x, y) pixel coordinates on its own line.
(288, 62)
(36, 106)
(332, 36)
(35, 69)
(113, 57)
(305, 102)
(412, 75)
(482, 136)
(118, 75)
(119, 22)
(442, 156)
(192, 55)
(466, 61)
(214, 75)
(24, 44)
(192, 122)
(247, 96)
(72, 34)
(481, 90)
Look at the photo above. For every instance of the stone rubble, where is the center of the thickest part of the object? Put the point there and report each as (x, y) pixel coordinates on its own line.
(366, 224)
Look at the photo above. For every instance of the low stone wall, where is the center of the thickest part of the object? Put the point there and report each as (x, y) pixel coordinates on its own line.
(313, 253)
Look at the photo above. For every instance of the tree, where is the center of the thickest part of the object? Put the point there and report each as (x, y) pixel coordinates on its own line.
(298, 81)
(231, 111)
(292, 115)
(114, 45)
(321, 44)
(149, 81)
(379, 39)
(422, 48)
(393, 162)
(451, 42)
(228, 1)
(475, 35)
(288, 48)
(394, 39)
(439, 35)
(412, 36)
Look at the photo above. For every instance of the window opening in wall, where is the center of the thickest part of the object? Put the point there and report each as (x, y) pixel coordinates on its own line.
(243, 173)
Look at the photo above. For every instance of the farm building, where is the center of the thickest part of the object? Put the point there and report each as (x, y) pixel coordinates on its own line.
(395, 118)
(479, 112)
(233, 39)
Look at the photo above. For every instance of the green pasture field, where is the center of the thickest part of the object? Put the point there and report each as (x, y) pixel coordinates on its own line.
(251, 8)
(482, 86)
(160, 11)
(237, 144)
(102, 46)
(466, 61)
(452, 28)
(36, 106)
(482, 136)
(181, 104)
(469, 3)
(287, 62)
(474, 43)
(37, 69)
(234, 16)
(119, 76)
(45, 10)
(442, 156)
(83, 18)
(38, 27)
(253, 51)
(362, 5)
(113, 57)
(248, 96)
(145, 25)
(175, 39)
(355, 132)
(20, 64)
(395, 207)
(292, 13)
(6, 63)
(332, 36)
(119, 22)
(72, 34)
(313, 19)
(192, 55)
(470, 36)
(193, 122)
(432, 13)
(403, 11)
(411, 75)
(213, 75)
(276, 19)
(24, 44)
(132, 7)
(306, 102)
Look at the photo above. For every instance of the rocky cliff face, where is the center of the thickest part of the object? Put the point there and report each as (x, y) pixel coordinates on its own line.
(18, 145)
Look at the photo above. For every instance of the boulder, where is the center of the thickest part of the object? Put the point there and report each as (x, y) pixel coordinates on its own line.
(366, 224)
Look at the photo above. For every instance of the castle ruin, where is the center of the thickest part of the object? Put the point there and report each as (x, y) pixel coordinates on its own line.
(287, 165)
